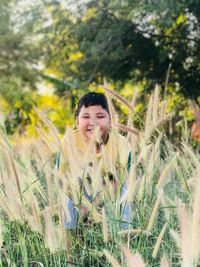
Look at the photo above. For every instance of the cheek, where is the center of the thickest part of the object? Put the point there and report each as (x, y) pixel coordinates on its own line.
(105, 125)
(81, 124)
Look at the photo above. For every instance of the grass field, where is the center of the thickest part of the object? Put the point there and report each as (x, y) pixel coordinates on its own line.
(163, 194)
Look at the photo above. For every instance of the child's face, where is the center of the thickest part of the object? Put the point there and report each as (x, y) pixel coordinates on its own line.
(91, 117)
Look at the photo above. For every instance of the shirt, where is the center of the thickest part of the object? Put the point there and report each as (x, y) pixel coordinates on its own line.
(83, 165)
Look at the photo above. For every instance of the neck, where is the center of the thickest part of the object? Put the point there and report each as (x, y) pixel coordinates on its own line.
(98, 147)
(104, 141)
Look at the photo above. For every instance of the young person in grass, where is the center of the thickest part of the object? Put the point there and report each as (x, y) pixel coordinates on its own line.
(96, 154)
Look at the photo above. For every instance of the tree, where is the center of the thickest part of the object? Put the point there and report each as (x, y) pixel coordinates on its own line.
(121, 40)
(19, 59)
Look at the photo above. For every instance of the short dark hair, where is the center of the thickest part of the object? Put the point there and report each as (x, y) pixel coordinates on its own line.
(92, 99)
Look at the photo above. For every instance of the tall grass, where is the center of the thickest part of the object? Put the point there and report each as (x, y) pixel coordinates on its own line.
(163, 195)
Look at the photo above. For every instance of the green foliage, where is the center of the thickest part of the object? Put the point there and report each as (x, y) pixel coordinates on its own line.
(19, 54)
(19, 61)
(74, 46)
(23, 247)
(129, 40)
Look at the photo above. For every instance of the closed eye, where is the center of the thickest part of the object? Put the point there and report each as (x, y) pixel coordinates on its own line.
(101, 117)
(85, 117)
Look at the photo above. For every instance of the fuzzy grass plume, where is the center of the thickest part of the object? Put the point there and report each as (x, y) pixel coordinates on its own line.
(33, 199)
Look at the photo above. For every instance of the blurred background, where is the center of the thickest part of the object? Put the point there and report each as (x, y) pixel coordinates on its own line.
(52, 52)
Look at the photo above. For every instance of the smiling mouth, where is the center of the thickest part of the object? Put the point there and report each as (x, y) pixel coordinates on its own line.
(90, 132)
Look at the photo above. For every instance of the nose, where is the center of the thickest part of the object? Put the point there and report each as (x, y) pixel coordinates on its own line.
(93, 122)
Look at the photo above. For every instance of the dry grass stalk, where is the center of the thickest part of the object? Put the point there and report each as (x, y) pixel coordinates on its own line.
(154, 212)
(130, 115)
(51, 237)
(163, 110)
(51, 128)
(150, 166)
(1, 234)
(195, 234)
(156, 115)
(159, 240)
(50, 192)
(176, 237)
(157, 148)
(105, 226)
(34, 184)
(3, 146)
(5, 205)
(133, 101)
(73, 187)
(128, 129)
(164, 262)
(111, 259)
(2, 177)
(113, 114)
(163, 120)
(40, 154)
(95, 214)
(36, 214)
(145, 150)
(117, 96)
(96, 178)
(46, 139)
(63, 204)
(185, 234)
(164, 175)
(135, 146)
(148, 122)
(67, 145)
(141, 187)
(191, 155)
(131, 184)
(10, 200)
(105, 159)
(70, 165)
(4, 142)
(17, 179)
(153, 161)
(133, 232)
(62, 229)
(133, 260)
(166, 207)
(14, 209)
(155, 106)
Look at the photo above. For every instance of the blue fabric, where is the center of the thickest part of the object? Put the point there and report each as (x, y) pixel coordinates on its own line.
(129, 161)
(125, 208)
(70, 221)
(58, 161)
(126, 212)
